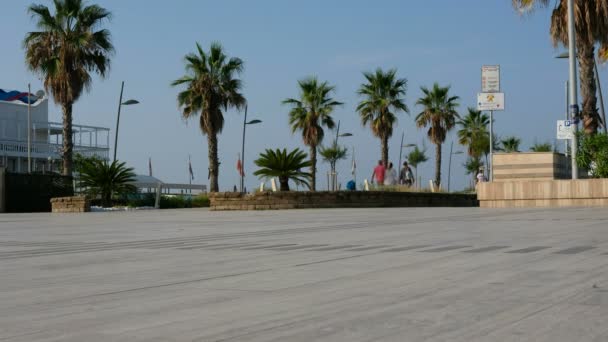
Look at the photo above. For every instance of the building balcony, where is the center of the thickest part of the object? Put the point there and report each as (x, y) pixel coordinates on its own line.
(47, 143)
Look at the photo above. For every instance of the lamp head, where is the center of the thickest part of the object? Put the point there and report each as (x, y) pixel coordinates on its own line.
(130, 102)
(563, 55)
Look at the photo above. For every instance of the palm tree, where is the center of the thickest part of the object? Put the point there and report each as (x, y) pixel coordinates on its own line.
(212, 86)
(591, 27)
(384, 96)
(440, 116)
(541, 147)
(332, 154)
(69, 46)
(474, 133)
(104, 179)
(415, 158)
(286, 166)
(309, 114)
(511, 144)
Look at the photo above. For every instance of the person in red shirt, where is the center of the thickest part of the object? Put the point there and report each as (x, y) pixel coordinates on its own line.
(379, 172)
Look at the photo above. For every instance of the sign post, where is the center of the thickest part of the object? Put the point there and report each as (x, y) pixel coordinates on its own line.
(490, 99)
(490, 79)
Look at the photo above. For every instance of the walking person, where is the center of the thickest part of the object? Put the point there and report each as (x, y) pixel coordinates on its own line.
(378, 174)
(406, 177)
(390, 176)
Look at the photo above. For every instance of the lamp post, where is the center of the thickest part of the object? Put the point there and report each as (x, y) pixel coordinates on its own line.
(573, 84)
(338, 135)
(401, 148)
(334, 175)
(450, 163)
(120, 104)
(29, 128)
(245, 123)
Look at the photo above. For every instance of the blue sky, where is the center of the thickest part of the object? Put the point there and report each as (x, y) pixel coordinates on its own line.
(283, 41)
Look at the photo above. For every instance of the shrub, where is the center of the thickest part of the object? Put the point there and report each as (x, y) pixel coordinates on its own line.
(169, 202)
(200, 201)
(593, 154)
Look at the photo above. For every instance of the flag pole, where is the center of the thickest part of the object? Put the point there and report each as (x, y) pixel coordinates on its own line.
(354, 167)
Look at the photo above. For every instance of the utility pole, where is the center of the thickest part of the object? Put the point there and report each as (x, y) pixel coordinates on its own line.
(243, 153)
(450, 164)
(29, 128)
(122, 87)
(401, 150)
(573, 85)
(491, 166)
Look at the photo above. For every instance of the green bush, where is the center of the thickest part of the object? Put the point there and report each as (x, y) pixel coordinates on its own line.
(169, 202)
(593, 154)
(200, 201)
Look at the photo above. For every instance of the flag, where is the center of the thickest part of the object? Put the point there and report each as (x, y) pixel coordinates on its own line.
(190, 169)
(239, 166)
(150, 166)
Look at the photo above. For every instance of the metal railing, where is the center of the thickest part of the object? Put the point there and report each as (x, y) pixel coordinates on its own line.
(15, 148)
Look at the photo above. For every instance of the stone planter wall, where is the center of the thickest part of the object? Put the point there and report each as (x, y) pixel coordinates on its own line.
(75, 204)
(341, 199)
(547, 193)
(524, 166)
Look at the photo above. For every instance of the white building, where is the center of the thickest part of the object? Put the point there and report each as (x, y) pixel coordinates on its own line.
(46, 142)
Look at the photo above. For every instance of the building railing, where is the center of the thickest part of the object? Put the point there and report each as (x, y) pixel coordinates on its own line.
(15, 148)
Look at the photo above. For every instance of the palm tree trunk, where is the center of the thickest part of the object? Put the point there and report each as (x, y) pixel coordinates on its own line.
(213, 162)
(385, 150)
(313, 168)
(68, 144)
(438, 165)
(284, 183)
(589, 112)
(106, 199)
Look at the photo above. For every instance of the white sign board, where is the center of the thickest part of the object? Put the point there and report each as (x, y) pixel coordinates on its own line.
(490, 79)
(491, 101)
(565, 129)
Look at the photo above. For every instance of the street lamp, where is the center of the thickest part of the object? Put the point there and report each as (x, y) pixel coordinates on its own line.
(334, 175)
(573, 84)
(450, 163)
(566, 55)
(338, 135)
(245, 123)
(120, 104)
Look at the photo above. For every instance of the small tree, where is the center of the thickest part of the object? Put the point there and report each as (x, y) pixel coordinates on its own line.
(104, 179)
(332, 154)
(286, 166)
(593, 154)
(415, 158)
(510, 144)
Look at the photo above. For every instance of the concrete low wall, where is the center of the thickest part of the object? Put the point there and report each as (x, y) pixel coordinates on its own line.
(546, 193)
(75, 204)
(341, 199)
(524, 166)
